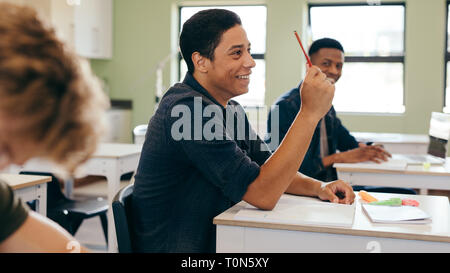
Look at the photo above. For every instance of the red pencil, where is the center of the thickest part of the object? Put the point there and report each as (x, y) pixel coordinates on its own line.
(306, 55)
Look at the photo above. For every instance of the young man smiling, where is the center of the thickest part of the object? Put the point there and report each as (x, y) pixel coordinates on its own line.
(330, 135)
(181, 184)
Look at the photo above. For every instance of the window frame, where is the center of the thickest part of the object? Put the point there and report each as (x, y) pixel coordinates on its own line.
(372, 59)
(446, 108)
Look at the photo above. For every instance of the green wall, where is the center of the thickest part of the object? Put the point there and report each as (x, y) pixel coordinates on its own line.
(141, 39)
(145, 33)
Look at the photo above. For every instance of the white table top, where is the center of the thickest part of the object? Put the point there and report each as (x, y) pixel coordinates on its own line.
(105, 151)
(391, 138)
(434, 170)
(436, 206)
(19, 181)
(115, 150)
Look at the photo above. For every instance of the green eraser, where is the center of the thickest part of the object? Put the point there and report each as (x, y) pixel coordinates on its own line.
(389, 202)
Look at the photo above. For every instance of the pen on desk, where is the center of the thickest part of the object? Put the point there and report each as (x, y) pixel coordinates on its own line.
(304, 52)
(369, 143)
(340, 195)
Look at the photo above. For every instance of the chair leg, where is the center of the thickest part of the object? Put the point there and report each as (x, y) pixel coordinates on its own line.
(104, 220)
(76, 223)
(62, 220)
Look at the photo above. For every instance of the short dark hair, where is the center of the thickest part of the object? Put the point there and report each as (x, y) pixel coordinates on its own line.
(203, 31)
(324, 43)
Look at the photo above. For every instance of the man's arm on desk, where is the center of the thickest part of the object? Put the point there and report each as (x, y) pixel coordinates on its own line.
(307, 186)
(277, 173)
(374, 153)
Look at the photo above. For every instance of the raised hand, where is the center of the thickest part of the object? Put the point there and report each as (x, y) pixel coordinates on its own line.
(316, 93)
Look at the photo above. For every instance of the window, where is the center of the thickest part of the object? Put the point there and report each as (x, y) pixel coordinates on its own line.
(254, 21)
(372, 79)
(447, 67)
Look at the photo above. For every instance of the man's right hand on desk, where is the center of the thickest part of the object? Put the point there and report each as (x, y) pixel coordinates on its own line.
(337, 192)
(373, 153)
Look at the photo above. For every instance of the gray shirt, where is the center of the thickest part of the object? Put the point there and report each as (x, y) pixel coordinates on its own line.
(181, 184)
(13, 212)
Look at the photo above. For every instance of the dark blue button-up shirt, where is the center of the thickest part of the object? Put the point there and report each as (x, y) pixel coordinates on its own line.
(182, 183)
(338, 136)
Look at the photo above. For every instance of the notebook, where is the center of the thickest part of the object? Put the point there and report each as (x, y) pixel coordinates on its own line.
(396, 215)
(301, 211)
(439, 135)
(391, 164)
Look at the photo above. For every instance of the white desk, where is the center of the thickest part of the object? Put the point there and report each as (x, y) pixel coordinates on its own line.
(396, 143)
(363, 236)
(414, 176)
(110, 160)
(29, 188)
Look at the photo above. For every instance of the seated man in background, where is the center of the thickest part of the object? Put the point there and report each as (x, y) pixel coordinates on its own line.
(51, 106)
(330, 135)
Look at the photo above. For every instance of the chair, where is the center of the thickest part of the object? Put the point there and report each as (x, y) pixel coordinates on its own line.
(121, 207)
(139, 133)
(71, 213)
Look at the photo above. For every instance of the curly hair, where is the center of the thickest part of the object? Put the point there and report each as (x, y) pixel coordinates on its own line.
(49, 88)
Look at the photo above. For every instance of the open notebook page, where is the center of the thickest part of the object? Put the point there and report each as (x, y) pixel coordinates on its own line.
(301, 211)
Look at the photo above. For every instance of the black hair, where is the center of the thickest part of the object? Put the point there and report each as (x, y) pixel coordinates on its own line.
(324, 43)
(203, 31)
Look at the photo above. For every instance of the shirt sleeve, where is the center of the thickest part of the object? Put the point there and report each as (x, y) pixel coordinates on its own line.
(12, 212)
(287, 110)
(312, 164)
(345, 140)
(214, 152)
(259, 151)
(280, 119)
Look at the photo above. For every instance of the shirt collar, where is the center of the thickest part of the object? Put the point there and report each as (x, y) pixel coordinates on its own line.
(192, 82)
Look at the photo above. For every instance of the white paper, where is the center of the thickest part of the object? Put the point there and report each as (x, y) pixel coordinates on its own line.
(391, 164)
(394, 214)
(301, 211)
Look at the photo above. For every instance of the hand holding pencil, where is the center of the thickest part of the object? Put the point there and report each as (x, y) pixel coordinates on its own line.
(316, 91)
(304, 52)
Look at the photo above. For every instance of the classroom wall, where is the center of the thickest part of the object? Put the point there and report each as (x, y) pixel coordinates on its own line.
(145, 33)
(141, 38)
(42, 6)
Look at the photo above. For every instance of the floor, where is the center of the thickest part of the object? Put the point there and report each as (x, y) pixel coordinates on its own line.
(90, 233)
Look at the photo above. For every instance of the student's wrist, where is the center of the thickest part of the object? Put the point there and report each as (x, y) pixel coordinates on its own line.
(308, 117)
(319, 187)
(337, 158)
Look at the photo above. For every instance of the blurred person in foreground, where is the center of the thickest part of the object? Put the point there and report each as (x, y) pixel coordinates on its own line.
(51, 107)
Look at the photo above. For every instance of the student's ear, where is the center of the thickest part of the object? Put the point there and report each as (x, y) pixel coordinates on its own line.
(200, 62)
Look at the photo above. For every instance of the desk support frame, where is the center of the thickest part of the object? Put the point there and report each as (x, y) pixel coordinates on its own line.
(395, 180)
(36, 192)
(236, 239)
